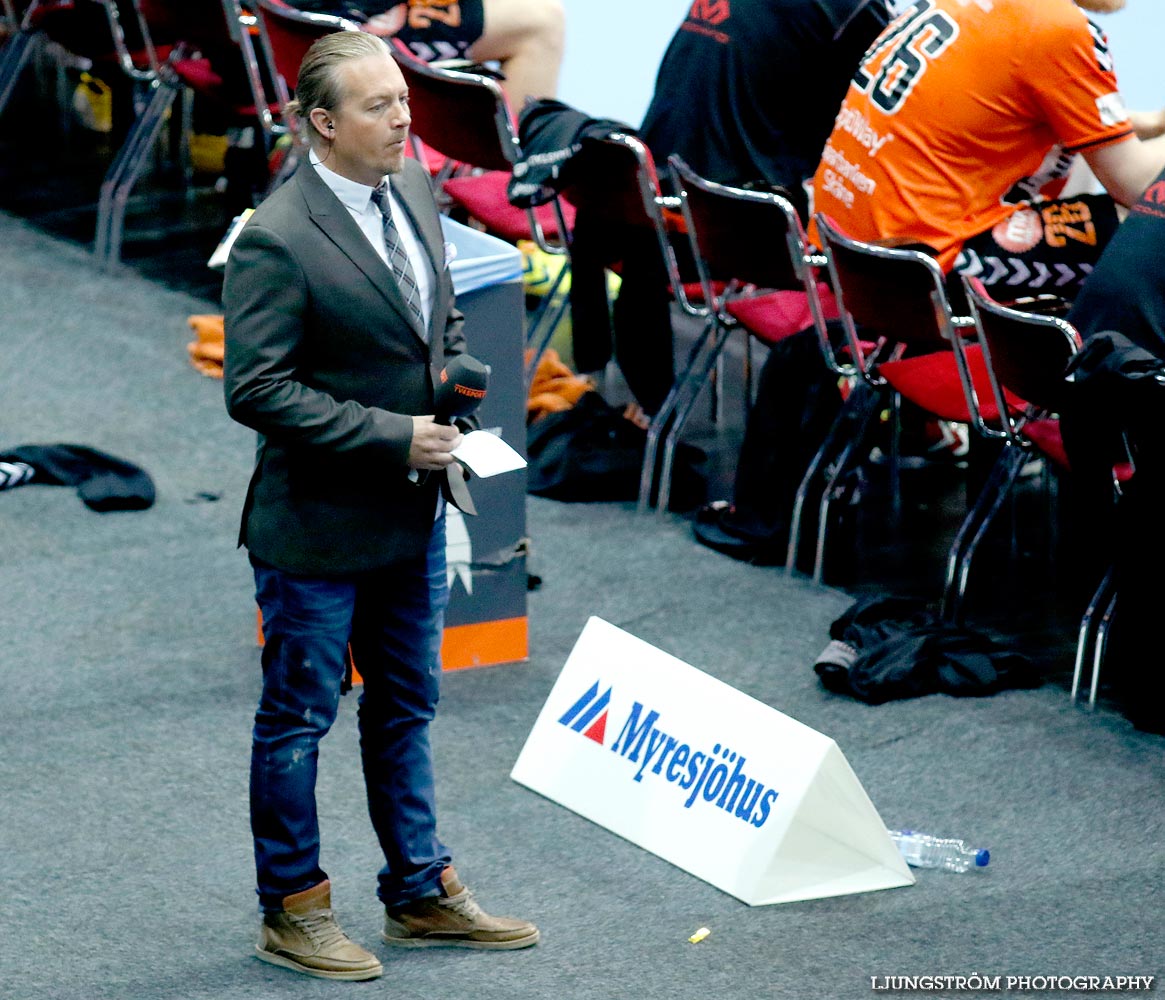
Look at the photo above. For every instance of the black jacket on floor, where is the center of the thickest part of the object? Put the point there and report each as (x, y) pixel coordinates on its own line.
(891, 647)
(104, 482)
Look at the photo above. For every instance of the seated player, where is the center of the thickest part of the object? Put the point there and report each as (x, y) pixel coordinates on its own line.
(947, 137)
(526, 37)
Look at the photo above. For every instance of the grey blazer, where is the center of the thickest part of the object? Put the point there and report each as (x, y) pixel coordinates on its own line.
(324, 360)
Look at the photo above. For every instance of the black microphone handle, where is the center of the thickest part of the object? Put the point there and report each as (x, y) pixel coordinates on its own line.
(463, 372)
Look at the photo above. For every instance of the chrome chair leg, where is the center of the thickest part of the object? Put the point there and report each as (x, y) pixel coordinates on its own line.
(695, 380)
(895, 455)
(984, 511)
(852, 406)
(660, 421)
(849, 458)
(1085, 649)
(124, 172)
(13, 58)
(545, 320)
(1098, 653)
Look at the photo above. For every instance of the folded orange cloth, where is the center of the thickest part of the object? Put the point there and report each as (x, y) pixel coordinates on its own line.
(206, 353)
(554, 387)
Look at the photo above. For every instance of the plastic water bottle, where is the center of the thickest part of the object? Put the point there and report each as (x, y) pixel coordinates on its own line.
(921, 850)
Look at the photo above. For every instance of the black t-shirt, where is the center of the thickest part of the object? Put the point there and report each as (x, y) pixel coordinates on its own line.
(1126, 290)
(748, 89)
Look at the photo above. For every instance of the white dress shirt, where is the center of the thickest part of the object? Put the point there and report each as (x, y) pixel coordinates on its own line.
(357, 199)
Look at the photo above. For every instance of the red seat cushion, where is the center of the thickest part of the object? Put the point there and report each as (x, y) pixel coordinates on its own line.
(776, 315)
(198, 75)
(201, 77)
(1045, 435)
(484, 197)
(931, 381)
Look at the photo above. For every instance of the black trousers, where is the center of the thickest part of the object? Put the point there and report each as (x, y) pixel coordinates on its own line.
(638, 329)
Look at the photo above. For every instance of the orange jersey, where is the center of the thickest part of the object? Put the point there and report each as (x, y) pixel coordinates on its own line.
(963, 110)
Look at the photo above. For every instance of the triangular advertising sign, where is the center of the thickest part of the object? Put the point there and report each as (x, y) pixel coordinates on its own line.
(718, 783)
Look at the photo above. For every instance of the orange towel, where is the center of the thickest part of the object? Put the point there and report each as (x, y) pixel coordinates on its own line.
(554, 387)
(206, 352)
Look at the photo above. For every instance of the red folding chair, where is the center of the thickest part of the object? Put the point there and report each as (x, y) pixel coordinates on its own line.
(1026, 355)
(465, 118)
(756, 275)
(906, 344)
(107, 33)
(211, 34)
(285, 35)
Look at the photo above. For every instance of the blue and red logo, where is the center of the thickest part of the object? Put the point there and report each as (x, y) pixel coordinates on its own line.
(716, 777)
(588, 715)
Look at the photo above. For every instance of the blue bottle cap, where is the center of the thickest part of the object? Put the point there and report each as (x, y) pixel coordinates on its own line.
(982, 856)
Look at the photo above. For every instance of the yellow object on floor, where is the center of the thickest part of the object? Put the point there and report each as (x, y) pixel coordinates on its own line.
(93, 104)
(539, 269)
(208, 153)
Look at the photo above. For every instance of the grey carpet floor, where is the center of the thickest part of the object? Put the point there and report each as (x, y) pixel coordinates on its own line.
(129, 673)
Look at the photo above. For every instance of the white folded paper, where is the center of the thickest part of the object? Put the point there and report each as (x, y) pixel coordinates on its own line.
(485, 455)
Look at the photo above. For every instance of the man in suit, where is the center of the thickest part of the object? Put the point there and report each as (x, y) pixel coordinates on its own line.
(339, 315)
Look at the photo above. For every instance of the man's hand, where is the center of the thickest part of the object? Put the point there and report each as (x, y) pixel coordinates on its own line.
(389, 23)
(432, 444)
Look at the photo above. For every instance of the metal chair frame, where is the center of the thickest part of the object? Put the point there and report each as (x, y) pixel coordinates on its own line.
(726, 226)
(625, 190)
(1026, 354)
(1092, 637)
(26, 31)
(897, 295)
(131, 160)
(1025, 391)
(465, 117)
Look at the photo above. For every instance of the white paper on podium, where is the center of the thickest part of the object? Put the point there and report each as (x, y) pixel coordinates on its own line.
(486, 454)
(480, 260)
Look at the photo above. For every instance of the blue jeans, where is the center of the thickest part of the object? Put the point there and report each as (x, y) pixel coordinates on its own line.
(393, 620)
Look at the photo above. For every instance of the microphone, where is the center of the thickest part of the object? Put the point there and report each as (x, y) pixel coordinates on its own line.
(463, 384)
(464, 381)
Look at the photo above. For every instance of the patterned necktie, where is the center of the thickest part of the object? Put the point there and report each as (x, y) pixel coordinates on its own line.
(397, 258)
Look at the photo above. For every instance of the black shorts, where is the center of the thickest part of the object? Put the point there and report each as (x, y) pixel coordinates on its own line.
(1049, 246)
(442, 29)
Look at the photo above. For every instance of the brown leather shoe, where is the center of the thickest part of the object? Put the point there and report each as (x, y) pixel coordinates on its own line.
(454, 920)
(304, 936)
